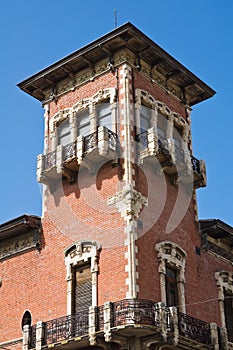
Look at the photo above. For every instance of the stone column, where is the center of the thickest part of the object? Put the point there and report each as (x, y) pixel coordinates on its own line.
(39, 334)
(26, 337)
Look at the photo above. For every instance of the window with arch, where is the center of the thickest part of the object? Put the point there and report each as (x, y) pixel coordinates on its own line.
(171, 259)
(224, 281)
(82, 266)
(26, 319)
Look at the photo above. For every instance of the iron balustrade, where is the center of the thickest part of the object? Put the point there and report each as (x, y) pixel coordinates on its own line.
(142, 145)
(69, 151)
(123, 312)
(142, 140)
(163, 146)
(32, 338)
(193, 328)
(100, 318)
(133, 311)
(66, 327)
(49, 160)
(113, 140)
(196, 165)
(90, 141)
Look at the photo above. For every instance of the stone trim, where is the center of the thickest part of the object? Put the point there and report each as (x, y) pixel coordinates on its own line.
(75, 254)
(70, 113)
(171, 254)
(126, 113)
(224, 280)
(142, 96)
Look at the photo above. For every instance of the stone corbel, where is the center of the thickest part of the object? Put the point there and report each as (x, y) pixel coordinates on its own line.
(128, 201)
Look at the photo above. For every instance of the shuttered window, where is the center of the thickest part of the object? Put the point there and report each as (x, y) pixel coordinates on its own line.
(228, 308)
(82, 288)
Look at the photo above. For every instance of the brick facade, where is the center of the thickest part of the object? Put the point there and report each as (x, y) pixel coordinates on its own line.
(124, 207)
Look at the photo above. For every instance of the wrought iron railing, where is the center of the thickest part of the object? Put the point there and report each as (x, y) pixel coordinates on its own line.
(100, 318)
(193, 328)
(142, 141)
(49, 160)
(113, 140)
(32, 338)
(163, 146)
(90, 142)
(66, 327)
(134, 311)
(69, 151)
(123, 312)
(196, 165)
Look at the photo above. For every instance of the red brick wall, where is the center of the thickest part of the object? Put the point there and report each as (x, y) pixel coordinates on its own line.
(200, 287)
(141, 82)
(87, 90)
(35, 281)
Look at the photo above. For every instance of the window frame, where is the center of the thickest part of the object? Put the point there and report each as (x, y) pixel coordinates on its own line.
(224, 281)
(76, 254)
(172, 255)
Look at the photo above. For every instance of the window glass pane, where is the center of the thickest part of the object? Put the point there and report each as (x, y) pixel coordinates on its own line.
(162, 126)
(105, 115)
(171, 287)
(177, 136)
(145, 115)
(83, 124)
(64, 133)
(83, 119)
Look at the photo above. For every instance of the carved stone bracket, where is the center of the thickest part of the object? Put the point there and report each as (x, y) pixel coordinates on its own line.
(128, 201)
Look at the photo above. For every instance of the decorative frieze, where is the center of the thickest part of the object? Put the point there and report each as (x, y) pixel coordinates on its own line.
(19, 244)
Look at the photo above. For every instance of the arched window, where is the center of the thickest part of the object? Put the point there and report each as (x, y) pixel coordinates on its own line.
(82, 259)
(171, 269)
(26, 319)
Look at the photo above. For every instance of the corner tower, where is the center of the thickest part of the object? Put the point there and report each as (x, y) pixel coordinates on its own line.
(120, 228)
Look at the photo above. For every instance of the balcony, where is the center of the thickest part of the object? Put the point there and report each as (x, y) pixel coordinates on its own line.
(130, 317)
(175, 161)
(65, 161)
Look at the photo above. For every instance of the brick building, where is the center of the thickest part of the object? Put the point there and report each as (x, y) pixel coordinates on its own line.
(118, 258)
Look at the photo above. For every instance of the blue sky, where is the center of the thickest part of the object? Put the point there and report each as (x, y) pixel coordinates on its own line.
(35, 34)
